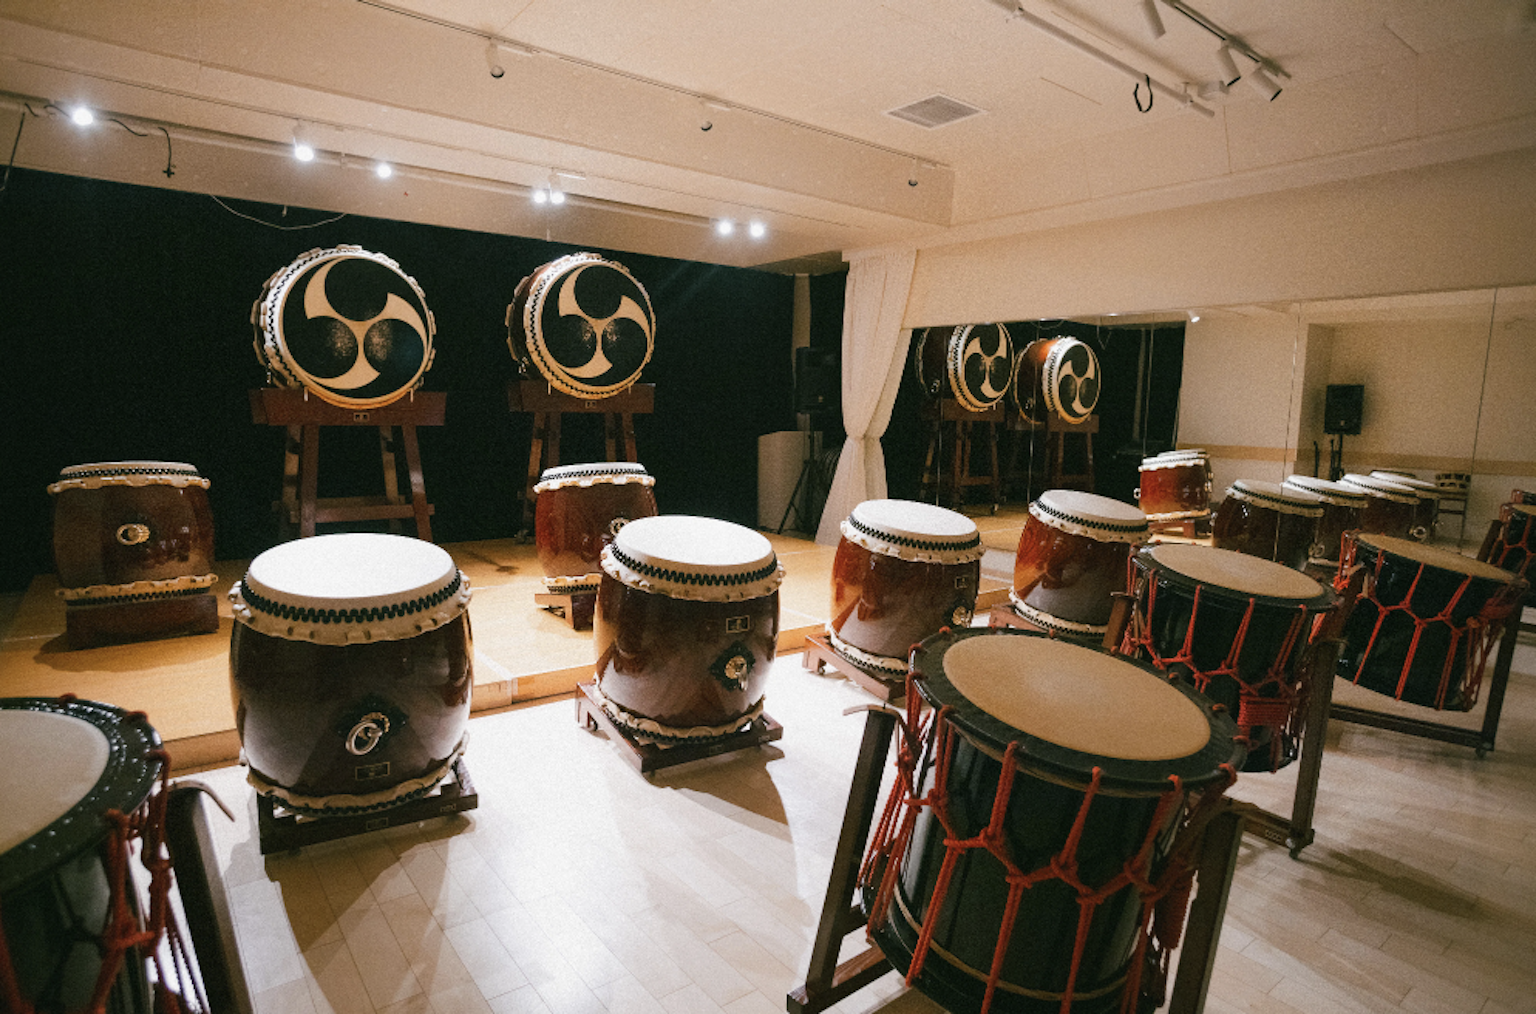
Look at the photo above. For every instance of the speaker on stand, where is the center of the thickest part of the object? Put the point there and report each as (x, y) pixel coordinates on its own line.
(817, 405)
(1343, 407)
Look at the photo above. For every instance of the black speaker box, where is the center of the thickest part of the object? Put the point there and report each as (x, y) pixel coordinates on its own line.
(818, 383)
(1342, 408)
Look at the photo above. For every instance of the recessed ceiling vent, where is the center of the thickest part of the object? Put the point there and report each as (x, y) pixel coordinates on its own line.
(935, 111)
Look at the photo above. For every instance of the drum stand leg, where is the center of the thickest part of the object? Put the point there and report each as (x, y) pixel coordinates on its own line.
(1202, 930)
(826, 981)
(204, 899)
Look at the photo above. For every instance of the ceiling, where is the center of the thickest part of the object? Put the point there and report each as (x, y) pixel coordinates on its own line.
(610, 100)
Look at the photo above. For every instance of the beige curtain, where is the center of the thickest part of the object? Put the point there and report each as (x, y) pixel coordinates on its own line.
(874, 353)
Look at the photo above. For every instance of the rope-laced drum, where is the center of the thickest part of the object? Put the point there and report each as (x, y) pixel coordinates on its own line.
(1268, 520)
(75, 788)
(1056, 377)
(1513, 546)
(1425, 619)
(346, 324)
(1428, 512)
(686, 626)
(578, 511)
(972, 363)
(1071, 560)
(1238, 629)
(1175, 486)
(350, 666)
(903, 570)
(1035, 852)
(131, 531)
(584, 323)
(1390, 508)
(1341, 506)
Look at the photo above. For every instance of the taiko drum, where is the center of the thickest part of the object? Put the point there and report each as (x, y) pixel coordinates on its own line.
(1267, 520)
(578, 511)
(1390, 507)
(1341, 507)
(972, 363)
(1071, 559)
(1427, 513)
(1056, 377)
(1175, 487)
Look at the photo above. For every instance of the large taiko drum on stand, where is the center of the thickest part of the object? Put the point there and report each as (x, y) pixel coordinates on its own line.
(346, 324)
(686, 626)
(1028, 832)
(1428, 512)
(350, 668)
(1424, 621)
(1071, 560)
(578, 511)
(1341, 506)
(903, 570)
(75, 783)
(584, 323)
(972, 363)
(1514, 541)
(1175, 486)
(1266, 520)
(1056, 377)
(1390, 508)
(1238, 629)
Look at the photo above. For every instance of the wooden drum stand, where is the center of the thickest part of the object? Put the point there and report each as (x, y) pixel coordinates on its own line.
(948, 485)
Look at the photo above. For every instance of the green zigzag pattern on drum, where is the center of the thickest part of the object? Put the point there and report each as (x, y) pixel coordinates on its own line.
(1095, 523)
(92, 473)
(902, 540)
(310, 615)
(684, 577)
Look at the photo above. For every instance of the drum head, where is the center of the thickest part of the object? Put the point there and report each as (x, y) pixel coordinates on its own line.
(980, 364)
(1372, 486)
(63, 764)
(1070, 386)
(1434, 556)
(587, 325)
(1237, 573)
(1089, 514)
(914, 531)
(1335, 493)
(598, 472)
(1277, 497)
(1073, 708)
(348, 325)
(687, 557)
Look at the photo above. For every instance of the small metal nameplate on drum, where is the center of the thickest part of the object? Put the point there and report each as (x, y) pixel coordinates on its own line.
(368, 772)
(359, 416)
(962, 581)
(375, 823)
(738, 624)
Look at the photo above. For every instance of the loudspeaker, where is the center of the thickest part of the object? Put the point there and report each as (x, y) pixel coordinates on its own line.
(818, 383)
(1342, 408)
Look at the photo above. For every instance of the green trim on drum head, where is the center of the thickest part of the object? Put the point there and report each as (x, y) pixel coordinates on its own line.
(1236, 573)
(1434, 556)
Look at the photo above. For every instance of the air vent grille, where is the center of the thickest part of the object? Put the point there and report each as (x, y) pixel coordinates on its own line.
(934, 111)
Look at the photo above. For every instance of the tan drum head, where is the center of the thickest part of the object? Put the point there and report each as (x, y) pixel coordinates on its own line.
(1236, 572)
(48, 763)
(694, 558)
(1097, 517)
(1434, 556)
(914, 531)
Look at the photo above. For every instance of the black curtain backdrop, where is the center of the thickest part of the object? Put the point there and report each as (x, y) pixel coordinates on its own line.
(125, 328)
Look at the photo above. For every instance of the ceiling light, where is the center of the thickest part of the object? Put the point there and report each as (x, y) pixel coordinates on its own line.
(1154, 20)
(540, 196)
(756, 229)
(556, 196)
(492, 63)
(383, 170)
(725, 227)
(1229, 70)
(1264, 83)
(1194, 318)
(303, 152)
(82, 116)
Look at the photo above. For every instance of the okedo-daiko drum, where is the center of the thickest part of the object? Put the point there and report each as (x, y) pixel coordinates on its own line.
(1267, 520)
(1424, 620)
(1390, 509)
(1428, 512)
(1071, 560)
(584, 323)
(1175, 486)
(1056, 377)
(903, 570)
(1341, 506)
(578, 510)
(1238, 629)
(1027, 832)
(1514, 541)
(346, 324)
(75, 783)
(972, 363)
(686, 626)
(351, 670)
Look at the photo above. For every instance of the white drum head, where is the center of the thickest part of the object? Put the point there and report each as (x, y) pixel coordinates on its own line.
(688, 557)
(1278, 497)
(614, 473)
(1097, 517)
(913, 530)
(128, 473)
(48, 763)
(1077, 698)
(1394, 491)
(1237, 572)
(1442, 559)
(1423, 487)
(1335, 493)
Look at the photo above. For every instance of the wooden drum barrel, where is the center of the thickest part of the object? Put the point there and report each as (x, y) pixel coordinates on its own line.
(578, 511)
(1266, 520)
(1341, 513)
(1428, 512)
(1390, 508)
(1175, 486)
(1071, 560)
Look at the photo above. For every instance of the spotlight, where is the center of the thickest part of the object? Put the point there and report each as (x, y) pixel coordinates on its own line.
(303, 152)
(1229, 71)
(82, 116)
(725, 227)
(756, 229)
(1264, 83)
(540, 196)
(383, 170)
(556, 196)
(1154, 20)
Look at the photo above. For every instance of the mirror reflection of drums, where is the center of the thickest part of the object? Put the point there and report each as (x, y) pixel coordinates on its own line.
(578, 511)
(1266, 520)
(1081, 815)
(1175, 486)
(1422, 613)
(583, 323)
(1390, 507)
(903, 570)
(346, 324)
(1514, 542)
(70, 772)
(1056, 377)
(1341, 507)
(135, 538)
(350, 668)
(1427, 516)
(1071, 560)
(1235, 627)
(686, 627)
(972, 363)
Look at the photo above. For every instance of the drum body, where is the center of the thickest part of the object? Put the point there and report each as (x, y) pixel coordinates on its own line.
(902, 571)
(1513, 545)
(1039, 777)
(346, 324)
(1428, 511)
(1420, 611)
(1071, 560)
(1056, 377)
(351, 671)
(1175, 488)
(1391, 507)
(58, 850)
(686, 626)
(1264, 519)
(584, 323)
(972, 363)
(1341, 507)
(578, 510)
(1236, 628)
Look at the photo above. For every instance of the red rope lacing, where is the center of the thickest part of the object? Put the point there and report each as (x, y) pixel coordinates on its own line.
(1164, 900)
(1504, 547)
(1476, 637)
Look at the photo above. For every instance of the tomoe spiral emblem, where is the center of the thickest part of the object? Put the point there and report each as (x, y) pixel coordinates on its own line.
(1072, 381)
(585, 323)
(981, 364)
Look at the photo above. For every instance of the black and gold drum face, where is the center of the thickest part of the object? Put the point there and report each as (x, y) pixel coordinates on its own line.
(584, 323)
(972, 363)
